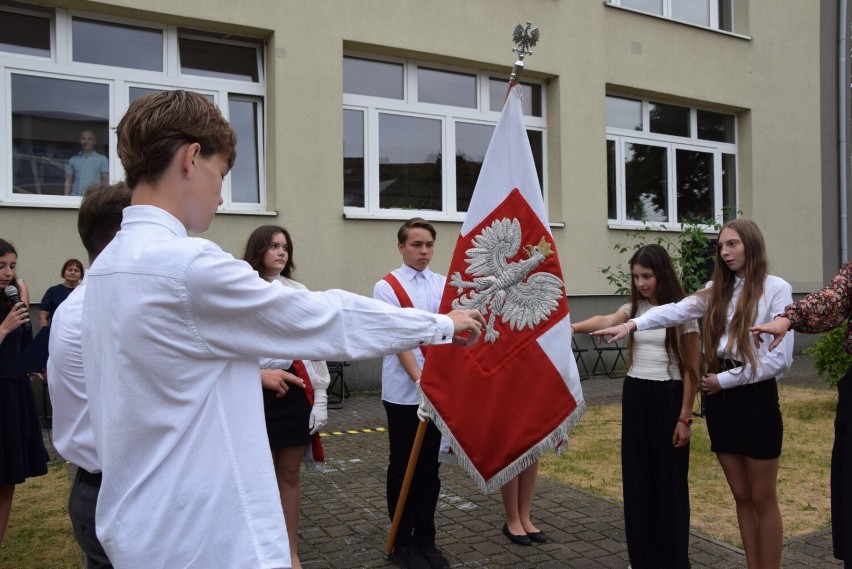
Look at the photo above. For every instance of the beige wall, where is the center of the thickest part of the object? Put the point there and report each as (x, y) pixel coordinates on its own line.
(771, 79)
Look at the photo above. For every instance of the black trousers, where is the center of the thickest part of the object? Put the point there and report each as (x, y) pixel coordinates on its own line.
(841, 473)
(417, 526)
(81, 508)
(654, 475)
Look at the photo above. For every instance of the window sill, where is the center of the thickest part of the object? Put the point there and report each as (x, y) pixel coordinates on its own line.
(655, 227)
(74, 203)
(681, 22)
(405, 215)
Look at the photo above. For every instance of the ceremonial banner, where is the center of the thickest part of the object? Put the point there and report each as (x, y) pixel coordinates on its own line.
(515, 395)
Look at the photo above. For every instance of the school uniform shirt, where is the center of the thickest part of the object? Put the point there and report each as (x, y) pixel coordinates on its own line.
(424, 288)
(777, 294)
(72, 426)
(173, 330)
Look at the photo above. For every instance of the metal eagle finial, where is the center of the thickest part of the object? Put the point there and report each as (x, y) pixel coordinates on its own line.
(524, 38)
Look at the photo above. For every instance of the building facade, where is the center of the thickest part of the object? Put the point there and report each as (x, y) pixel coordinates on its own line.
(637, 111)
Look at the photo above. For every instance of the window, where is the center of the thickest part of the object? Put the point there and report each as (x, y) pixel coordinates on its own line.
(402, 117)
(668, 163)
(65, 98)
(716, 14)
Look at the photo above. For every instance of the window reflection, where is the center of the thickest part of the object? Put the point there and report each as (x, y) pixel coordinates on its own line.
(24, 34)
(245, 180)
(409, 162)
(372, 78)
(668, 119)
(645, 180)
(623, 113)
(611, 165)
(694, 185)
(471, 144)
(694, 11)
(446, 88)
(717, 127)
(49, 117)
(353, 158)
(213, 59)
(653, 6)
(119, 45)
(729, 186)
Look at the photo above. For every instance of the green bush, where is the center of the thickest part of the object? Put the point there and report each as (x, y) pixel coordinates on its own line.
(830, 359)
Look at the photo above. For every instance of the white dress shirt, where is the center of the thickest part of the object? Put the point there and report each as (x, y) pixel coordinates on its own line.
(777, 294)
(425, 289)
(72, 427)
(173, 329)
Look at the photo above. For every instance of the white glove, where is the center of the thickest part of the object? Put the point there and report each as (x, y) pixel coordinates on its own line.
(422, 413)
(319, 412)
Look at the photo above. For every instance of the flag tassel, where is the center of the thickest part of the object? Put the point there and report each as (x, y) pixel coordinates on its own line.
(406, 486)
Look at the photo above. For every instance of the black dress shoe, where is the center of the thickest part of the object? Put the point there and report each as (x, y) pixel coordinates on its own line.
(519, 539)
(434, 557)
(537, 537)
(409, 557)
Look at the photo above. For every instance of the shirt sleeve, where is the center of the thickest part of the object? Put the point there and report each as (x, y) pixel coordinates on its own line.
(272, 363)
(778, 294)
(225, 294)
(672, 314)
(824, 309)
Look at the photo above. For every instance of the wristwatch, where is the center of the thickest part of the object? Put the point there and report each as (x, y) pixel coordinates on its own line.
(687, 421)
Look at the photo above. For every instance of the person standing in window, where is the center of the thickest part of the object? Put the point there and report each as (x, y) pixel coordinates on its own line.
(22, 453)
(87, 168)
(412, 285)
(294, 392)
(72, 273)
(656, 425)
(743, 414)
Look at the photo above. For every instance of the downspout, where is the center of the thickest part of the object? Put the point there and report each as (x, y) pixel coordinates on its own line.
(843, 86)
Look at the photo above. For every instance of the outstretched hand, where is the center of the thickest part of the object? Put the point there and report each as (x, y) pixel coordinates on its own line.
(467, 326)
(614, 333)
(777, 328)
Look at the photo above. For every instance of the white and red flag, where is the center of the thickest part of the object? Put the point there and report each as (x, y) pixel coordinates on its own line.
(515, 395)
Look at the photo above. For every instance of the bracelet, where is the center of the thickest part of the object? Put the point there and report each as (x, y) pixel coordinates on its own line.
(626, 327)
(573, 330)
(687, 422)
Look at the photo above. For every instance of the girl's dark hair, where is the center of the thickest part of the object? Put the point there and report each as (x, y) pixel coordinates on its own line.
(69, 263)
(258, 243)
(669, 289)
(5, 249)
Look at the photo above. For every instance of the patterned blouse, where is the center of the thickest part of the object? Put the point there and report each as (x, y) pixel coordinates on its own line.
(825, 309)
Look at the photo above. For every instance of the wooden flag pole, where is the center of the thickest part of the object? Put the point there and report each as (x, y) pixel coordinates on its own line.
(406, 485)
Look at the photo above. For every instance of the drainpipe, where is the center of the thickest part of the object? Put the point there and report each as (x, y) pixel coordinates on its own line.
(843, 86)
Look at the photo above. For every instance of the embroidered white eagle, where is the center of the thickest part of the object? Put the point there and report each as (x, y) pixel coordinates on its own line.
(506, 290)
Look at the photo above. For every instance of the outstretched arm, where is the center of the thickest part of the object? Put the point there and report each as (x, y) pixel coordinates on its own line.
(589, 325)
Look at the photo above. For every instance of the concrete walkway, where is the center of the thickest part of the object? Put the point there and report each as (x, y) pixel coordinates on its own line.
(345, 524)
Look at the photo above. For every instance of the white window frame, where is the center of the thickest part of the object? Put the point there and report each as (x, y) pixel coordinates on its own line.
(621, 137)
(449, 116)
(667, 14)
(61, 66)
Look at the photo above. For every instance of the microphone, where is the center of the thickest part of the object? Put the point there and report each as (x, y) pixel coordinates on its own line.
(12, 294)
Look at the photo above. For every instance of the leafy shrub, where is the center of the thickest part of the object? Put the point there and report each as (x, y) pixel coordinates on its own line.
(830, 359)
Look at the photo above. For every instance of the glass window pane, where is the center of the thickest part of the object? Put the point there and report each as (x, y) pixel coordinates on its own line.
(136, 92)
(244, 116)
(645, 182)
(60, 135)
(668, 119)
(693, 11)
(694, 185)
(717, 127)
(221, 60)
(117, 45)
(24, 34)
(446, 88)
(653, 6)
(536, 138)
(372, 78)
(410, 162)
(532, 102)
(726, 15)
(729, 187)
(611, 167)
(353, 158)
(623, 113)
(471, 144)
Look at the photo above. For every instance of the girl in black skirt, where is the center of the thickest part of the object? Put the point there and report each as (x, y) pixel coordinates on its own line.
(743, 415)
(294, 392)
(22, 453)
(656, 404)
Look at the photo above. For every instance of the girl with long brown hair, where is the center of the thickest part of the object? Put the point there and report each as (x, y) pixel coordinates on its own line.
(742, 410)
(656, 403)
